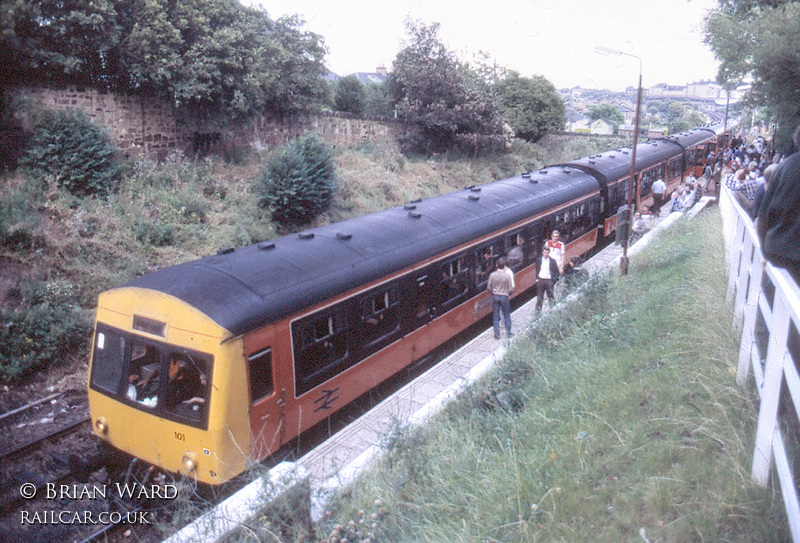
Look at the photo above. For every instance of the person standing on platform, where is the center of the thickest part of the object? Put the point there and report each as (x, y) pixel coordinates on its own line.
(547, 274)
(659, 189)
(500, 287)
(556, 247)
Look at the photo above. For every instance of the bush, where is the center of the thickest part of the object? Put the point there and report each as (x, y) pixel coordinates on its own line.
(351, 95)
(18, 218)
(298, 183)
(42, 330)
(67, 146)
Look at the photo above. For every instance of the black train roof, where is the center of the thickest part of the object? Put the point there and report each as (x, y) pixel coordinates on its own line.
(254, 285)
(616, 164)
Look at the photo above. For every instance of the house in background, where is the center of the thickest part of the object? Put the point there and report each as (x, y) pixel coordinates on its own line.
(602, 126)
(368, 78)
(373, 78)
(576, 121)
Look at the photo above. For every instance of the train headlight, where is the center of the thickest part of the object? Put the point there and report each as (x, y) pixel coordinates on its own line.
(189, 461)
(102, 425)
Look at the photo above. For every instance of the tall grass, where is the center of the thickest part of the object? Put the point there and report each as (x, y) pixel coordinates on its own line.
(627, 424)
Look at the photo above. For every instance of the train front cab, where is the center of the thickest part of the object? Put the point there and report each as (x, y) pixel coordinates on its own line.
(166, 386)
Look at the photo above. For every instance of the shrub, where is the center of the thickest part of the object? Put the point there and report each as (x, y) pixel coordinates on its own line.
(351, 95)
(67, 146)
(44, 328)
(298, 183)
(18, 219)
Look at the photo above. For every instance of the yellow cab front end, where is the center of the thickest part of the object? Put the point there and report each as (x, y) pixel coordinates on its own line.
(165, 385)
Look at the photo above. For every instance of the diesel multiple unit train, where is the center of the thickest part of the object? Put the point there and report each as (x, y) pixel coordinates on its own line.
(202, 368)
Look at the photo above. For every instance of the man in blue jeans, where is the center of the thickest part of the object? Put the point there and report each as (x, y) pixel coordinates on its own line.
(500, 287)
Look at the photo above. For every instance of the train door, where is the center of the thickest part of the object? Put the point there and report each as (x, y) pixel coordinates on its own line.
(423, 297)
(536, 241)
(267, 407)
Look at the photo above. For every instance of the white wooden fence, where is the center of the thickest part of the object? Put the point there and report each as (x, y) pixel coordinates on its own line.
(767, 303)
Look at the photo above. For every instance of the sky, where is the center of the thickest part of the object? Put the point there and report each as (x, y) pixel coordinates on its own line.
(551, 38)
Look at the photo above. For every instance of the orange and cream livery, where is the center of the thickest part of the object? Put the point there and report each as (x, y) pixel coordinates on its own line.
(207, 366)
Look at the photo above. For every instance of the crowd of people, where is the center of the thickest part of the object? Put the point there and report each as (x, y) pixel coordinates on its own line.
(550, 267)
(776, 208)
(766, 185)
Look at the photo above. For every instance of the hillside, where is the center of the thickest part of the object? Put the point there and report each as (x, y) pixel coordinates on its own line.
(59, 252)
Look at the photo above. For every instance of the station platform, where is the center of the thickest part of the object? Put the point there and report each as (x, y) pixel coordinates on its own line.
(337, 462)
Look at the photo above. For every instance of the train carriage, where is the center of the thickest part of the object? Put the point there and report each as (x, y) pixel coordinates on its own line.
(278, 335)
(219, 362)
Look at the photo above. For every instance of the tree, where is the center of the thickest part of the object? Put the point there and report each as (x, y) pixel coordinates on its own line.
(69, 41)
(351, 95)
(296, 72)
(76, 153)
(298, 184)
(214, 59)
(445, 105)
(531, 106)
(608, 112)
(760, 41)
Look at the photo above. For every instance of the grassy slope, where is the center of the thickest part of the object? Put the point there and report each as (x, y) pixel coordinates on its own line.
(632, 424)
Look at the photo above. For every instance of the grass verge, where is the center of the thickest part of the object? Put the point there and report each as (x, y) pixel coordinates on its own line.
(616, 418)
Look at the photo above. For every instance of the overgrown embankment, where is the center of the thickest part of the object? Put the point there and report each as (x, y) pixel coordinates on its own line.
(60, 249)
(615, 418)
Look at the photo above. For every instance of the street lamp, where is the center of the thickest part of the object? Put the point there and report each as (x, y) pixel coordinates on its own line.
(623, 262)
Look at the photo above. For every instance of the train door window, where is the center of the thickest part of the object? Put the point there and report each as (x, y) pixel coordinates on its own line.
(260, 369)
(675, 167)
(187, 384)
(320, 347)
(487, 254)
(513, 244)
(535, 240)
(144, 373)
(380, 315)
(646, 179)
(696, 156)
(581, 224)
(108, 360)
(454, 282)
(422, 297)
(561, 222)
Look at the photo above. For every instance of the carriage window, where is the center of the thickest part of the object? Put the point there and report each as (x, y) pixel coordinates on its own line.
(108, 360)
(487, 255)
(453, 281)
(320, 348)
(380, 315)
(187, 384)
(675, 167)
(260, 366)
(144, 373)
(513, 249)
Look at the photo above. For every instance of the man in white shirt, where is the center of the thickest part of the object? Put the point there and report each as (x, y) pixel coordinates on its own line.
(659, 192)
(546, 276)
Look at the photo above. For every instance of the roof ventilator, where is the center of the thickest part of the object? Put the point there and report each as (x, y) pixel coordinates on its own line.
(410, 206)
(306, 235)
(414, 214)
(226, 251)
(474, 197)
(266, 245)
(343, 236)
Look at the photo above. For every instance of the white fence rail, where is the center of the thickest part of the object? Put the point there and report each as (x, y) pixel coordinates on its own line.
(767, 310)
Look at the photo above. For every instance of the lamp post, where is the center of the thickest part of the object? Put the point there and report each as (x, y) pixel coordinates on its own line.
(623, 262)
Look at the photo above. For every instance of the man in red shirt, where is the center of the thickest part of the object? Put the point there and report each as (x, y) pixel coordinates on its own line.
(556, 249)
